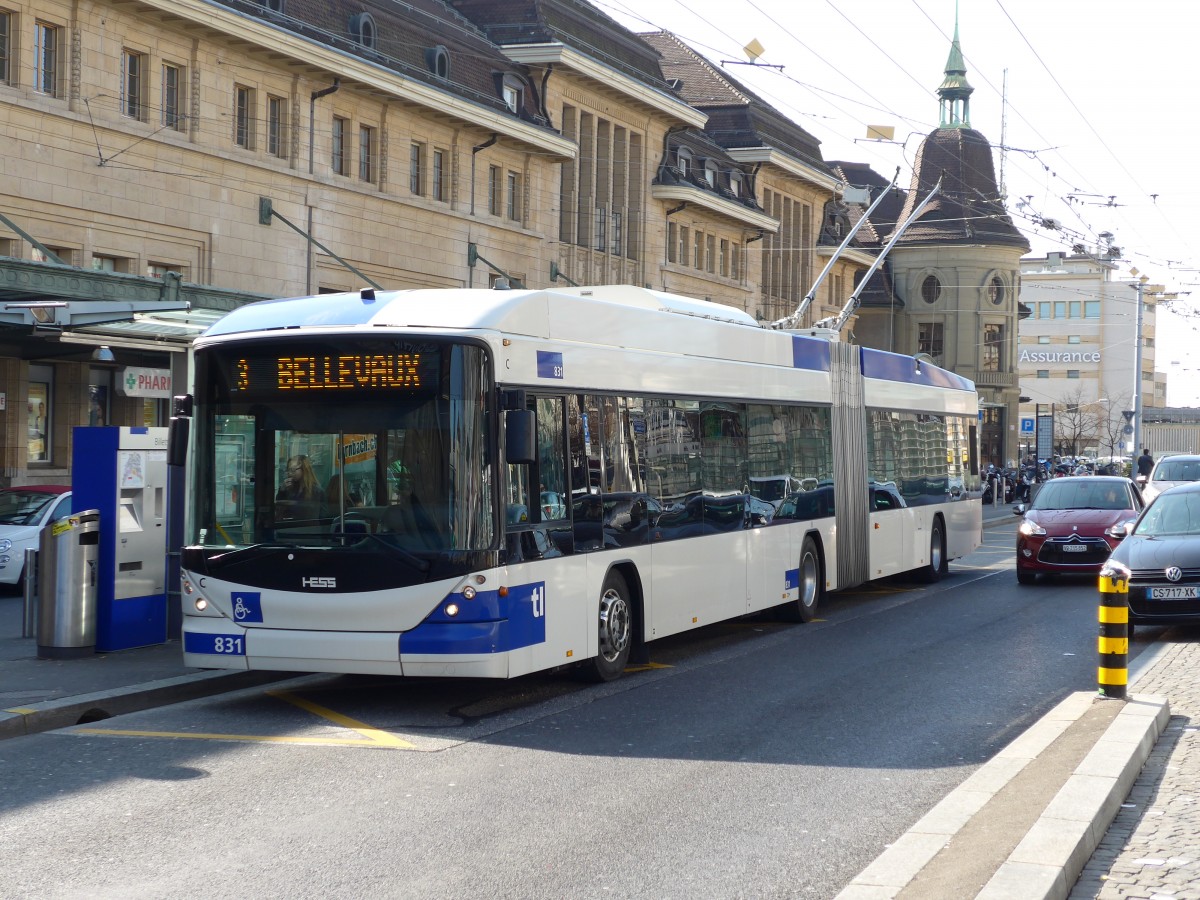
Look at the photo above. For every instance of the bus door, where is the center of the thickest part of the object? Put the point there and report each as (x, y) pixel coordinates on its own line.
(545, 575)
(892, 527)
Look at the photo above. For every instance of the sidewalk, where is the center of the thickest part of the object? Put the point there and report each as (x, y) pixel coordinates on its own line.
(1067, 809)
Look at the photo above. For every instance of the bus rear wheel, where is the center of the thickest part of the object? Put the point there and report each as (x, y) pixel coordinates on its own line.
(615, 631)
(810, 588)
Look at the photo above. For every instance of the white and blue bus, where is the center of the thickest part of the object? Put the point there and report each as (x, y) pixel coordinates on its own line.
(492, 483)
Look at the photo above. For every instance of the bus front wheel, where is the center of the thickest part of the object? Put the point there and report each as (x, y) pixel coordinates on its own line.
(804, 607)
(937, 554)
(615, 631)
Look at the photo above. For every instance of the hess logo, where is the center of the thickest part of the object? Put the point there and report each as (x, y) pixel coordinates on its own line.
(319, 582)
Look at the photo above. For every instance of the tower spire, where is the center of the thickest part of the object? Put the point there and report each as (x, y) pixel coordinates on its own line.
(955, 91)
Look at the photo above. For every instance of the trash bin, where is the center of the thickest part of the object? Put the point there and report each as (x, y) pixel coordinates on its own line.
(67, 573)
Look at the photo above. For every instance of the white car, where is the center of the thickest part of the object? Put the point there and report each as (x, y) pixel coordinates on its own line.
(24, 512)
(1170, 471)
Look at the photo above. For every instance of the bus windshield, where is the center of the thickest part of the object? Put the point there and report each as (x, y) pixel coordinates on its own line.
(371, 443)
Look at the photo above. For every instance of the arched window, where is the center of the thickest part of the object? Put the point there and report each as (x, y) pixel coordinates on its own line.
(995, 290)
(438, 60)
(362, 30)
(683, 160)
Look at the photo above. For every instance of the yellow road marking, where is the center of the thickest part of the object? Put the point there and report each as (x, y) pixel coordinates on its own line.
(376, 735)
(371, 737)
(262, 738)
(21, 710)
(646, 667)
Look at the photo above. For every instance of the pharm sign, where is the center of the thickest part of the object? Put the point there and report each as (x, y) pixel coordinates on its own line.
(135, 382)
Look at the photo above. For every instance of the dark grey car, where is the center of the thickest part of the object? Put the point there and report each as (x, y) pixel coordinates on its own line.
(1161, 560)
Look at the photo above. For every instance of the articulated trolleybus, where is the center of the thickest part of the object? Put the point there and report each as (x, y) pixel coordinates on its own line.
(491, 483)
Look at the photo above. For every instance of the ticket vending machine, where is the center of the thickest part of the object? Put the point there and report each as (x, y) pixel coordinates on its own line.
(122, 472)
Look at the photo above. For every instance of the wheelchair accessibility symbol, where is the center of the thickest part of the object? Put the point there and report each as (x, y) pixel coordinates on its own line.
(247, 607)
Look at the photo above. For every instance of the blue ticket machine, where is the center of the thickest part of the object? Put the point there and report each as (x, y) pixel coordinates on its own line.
(122, 472)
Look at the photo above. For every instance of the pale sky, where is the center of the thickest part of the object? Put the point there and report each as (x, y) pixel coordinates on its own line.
(1100, 119)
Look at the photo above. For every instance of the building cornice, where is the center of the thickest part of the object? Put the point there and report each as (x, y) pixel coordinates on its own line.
(706, 200)
(312, 54)
(562, 55)
(772, 157)
(862, 257)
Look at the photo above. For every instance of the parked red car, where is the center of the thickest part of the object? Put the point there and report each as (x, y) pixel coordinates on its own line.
(1073, 524)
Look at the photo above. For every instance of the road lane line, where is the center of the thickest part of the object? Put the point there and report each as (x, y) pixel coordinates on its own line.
(383, 738)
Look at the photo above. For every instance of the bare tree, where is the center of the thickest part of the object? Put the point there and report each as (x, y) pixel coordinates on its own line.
(1112, 427)
(1078, 423)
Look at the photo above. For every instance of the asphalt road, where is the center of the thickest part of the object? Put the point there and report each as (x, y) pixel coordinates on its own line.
(755, 760)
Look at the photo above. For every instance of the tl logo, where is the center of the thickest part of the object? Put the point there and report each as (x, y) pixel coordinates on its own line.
(538, 601)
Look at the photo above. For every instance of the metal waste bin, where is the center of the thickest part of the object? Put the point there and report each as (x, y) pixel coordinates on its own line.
(67, 572)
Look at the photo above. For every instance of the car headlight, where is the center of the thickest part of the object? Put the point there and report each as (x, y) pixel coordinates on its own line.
(5, 545)
(1029, 528)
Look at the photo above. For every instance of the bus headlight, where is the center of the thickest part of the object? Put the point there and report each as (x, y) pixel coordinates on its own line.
(468, 593)
(452, 609)
(201, 604)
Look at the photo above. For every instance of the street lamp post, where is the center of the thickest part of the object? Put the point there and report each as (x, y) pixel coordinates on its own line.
(1139, 286)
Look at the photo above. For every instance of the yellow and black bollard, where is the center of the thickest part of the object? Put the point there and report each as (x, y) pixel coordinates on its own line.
(1114, 636)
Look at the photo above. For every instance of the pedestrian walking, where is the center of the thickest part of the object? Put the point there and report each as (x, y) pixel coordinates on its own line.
(1144, 464)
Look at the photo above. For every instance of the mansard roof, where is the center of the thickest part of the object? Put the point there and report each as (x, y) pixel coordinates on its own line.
(883, 221)
(574, 23)
(737, 117)
(406, 37)
(968, 208)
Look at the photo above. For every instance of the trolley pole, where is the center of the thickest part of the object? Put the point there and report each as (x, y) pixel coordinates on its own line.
(1114, 635)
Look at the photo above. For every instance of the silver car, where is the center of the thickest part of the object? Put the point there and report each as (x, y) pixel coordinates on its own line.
(1170, 471)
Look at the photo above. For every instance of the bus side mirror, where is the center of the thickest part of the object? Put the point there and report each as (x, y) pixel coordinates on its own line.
(177, 440)
(520, 436)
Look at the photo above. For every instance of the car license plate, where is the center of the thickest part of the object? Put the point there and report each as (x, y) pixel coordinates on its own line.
(1074, 548)
(1173, 593)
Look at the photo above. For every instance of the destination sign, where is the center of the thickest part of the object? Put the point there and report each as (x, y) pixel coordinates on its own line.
(344, 372)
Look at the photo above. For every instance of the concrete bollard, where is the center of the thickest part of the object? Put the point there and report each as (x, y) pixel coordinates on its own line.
(1114, 636)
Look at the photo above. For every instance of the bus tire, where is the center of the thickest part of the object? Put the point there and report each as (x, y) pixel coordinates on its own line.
(614, 631)
(937, 554)
(810, 588)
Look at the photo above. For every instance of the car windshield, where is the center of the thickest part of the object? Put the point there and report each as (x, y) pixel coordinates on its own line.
(1171, 514)
(1181, 469)
(19, 507)
(1086, 493)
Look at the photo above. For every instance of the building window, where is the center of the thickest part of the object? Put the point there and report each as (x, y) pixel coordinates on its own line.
(45, 58)
(277, 127)
(698, 257)
(243, 117)
(362, 29)
(1091, 309)
(337, 147)
(439, 175)
(599, 228)
(133, 84)
(993, 347)
(672, 242)
(930, 339)
(931, 289)
(272, 5)
(513, 93)
(514, 196)
(685, 245)
(1060, 309)
(683, 160)
(158, 270)
(1045, 311)
(724, 271)
(99, 392)
(366, 153)
(735, 183)
(710, 172)
(6, 52)
(101, 263)
(416, 169)
(39, 414)
(1072, 373)
(735, 262)
(438, 60)
(710, 253)
(1073, 339)
(1043, 339)
(1043, 373)
(494, 190)
(173, 81)
(618, 235)
(995, 290)
(63, 253)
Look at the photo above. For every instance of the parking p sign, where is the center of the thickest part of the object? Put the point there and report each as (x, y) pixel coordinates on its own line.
(1026, 426)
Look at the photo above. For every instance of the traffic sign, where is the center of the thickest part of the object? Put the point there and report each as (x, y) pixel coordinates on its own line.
(1129, 414)
(1026, 425)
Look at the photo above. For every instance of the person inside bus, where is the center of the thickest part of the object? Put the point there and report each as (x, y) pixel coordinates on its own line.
(338, 497)
(300, 495)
